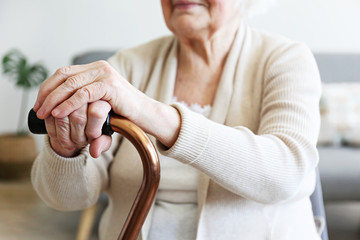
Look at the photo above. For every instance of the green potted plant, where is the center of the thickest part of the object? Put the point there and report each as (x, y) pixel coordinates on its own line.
(18, 150)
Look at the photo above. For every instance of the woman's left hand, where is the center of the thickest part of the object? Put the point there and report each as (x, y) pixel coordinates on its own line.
(70, 88)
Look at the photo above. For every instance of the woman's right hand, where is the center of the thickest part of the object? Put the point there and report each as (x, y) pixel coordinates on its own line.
(69, 135)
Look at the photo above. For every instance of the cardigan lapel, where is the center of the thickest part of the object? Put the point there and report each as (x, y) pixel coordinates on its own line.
(162, 83)
(225, 89)
(169, 76)
(222, 102)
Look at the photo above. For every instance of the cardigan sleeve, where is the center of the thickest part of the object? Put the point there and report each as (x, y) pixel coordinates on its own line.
(69, 184)
(268, 166)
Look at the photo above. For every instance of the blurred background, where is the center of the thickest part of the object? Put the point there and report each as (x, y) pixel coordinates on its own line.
(55, 32)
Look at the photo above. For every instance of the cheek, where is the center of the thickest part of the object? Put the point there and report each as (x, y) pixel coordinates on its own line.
(166, 9)
(223, 10)
(218, 12)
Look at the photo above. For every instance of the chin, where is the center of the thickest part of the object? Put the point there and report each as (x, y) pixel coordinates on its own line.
(187, 26)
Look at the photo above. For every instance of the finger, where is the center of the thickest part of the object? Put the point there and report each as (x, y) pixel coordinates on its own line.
(78, 120)
(100, 145)
(50, 127)
(97, 114)
(63, 133)
(89, 93)
(65, 90)
(54, 81)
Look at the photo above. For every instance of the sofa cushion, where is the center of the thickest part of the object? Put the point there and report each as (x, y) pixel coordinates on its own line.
(338, 67)
(340, 114)
(92, 56)
(340, 172)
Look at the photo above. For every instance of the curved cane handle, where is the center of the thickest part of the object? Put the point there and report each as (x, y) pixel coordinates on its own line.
(150, 161)
(151, 175)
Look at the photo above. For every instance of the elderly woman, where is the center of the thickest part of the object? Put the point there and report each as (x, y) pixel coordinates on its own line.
(234, 113)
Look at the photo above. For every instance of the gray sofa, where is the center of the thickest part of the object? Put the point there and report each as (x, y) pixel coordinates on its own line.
(339, 165)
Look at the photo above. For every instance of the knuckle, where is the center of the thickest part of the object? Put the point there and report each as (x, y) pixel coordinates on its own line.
(92, 133)
(106, 67)
(85, 93)
(63, 70)
(78, 119)
(92, 74)
(70, 104)
(72, 82)
(102, 62)
(99, 89)
(100, 85)
(96, 112)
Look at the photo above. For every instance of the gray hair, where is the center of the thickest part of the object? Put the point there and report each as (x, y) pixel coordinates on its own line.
(250, 8)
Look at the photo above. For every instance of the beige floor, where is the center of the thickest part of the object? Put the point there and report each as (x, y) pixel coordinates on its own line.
(24, 216)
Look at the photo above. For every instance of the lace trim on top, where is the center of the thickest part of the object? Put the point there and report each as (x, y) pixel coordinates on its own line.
(205, 110)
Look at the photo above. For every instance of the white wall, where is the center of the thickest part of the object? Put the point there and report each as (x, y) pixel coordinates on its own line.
(325, 25)
(54, 31)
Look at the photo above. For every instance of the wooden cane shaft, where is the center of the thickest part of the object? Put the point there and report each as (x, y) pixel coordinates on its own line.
(151, 175)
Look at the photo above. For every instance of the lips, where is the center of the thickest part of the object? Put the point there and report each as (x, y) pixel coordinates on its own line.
(186, 4)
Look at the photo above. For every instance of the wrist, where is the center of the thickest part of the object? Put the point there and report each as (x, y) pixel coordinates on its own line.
(163, 122)
(155, 118)
(62, 150)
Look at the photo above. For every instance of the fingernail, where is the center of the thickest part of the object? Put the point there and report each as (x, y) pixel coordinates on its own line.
(55, 112)
(36, 106)
(40, 113)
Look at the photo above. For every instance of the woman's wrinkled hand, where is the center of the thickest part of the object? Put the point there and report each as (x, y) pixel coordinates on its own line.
(63, 97)
(75, 101)
(72, 133)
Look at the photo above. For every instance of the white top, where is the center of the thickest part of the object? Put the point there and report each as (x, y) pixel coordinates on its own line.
(175, 209)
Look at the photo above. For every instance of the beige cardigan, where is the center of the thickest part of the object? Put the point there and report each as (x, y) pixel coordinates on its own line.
(257, 153)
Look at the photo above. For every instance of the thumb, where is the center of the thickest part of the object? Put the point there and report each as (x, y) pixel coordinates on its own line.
(100, 145)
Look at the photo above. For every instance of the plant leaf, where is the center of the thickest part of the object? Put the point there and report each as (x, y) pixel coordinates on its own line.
(37, 74)
(16, 67)
(11, 63)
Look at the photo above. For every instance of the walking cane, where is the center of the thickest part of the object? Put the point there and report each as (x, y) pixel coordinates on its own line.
(150, 161)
